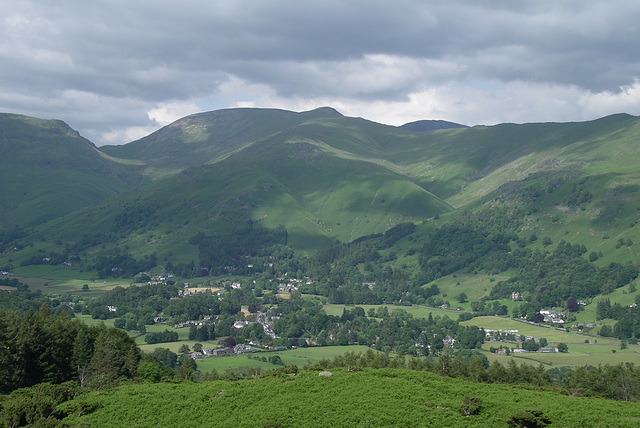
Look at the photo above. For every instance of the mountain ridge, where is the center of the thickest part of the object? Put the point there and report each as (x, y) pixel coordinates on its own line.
(328, 177)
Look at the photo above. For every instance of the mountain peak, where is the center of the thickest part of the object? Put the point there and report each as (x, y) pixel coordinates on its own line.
(326, 111)
(430, 125)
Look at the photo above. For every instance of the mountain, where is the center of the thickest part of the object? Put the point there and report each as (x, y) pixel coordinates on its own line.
(209, 136)
(47, 170)
(430, 125)
(323, 177)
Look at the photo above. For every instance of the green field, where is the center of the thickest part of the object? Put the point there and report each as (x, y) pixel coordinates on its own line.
(415, 310)
(580, 354)
(552, 334)
(599, 350)
(65, 280)
(91, 321)
(298, 357)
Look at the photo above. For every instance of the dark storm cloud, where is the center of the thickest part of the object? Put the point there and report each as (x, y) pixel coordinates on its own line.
(103, 66)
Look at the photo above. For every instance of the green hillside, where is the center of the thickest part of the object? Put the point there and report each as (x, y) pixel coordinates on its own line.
(382, 397)
(322, 186)
(200, 138)
(47, 170)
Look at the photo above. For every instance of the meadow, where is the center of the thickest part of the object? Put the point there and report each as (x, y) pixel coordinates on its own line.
(298, 357)
(416, 311)
(584, 349)
(65, 280)
(580, 354)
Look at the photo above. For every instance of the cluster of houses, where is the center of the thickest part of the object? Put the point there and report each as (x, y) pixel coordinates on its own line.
(501, 335)
(543, 349)
(512, 335)
(553, 316)
(581, 326)
(292, 284)
(448, 342)
(159, 279)
(238, 349)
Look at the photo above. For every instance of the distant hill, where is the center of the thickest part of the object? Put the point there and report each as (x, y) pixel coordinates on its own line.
(430, 125)
(47, 170)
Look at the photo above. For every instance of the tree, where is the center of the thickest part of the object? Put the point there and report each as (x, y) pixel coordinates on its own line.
(228, 342)
(562, 347)
(462, 297)
(202, 334)
(572, 305)
(193, 330)
(166, 357)
(186, 368)
(115, 356)
(606, 331)
(530, 345)
(184, 349)
(197, 347)
(538, 317)
(85, 287)
(82, 353)
(543, 342)
(150, 372)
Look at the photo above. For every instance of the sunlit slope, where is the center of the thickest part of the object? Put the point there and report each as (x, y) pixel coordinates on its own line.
(463, 165)
(319, 196)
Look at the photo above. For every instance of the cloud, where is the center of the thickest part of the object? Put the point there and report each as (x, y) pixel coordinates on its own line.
(164, 114)
(110, 68)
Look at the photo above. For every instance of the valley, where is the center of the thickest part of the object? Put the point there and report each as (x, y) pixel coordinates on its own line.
(322, 241)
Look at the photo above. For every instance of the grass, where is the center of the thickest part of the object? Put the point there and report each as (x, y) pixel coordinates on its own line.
(597, 351)
(92, 321)
(534, 330)
(65, 280)
(415, 310)
(580, 354)
(298, 357)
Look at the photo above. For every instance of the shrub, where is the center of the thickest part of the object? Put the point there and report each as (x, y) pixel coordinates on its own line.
(470, 406)
(529, 419)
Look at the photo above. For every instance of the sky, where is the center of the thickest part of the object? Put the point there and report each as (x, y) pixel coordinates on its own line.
(117, 70)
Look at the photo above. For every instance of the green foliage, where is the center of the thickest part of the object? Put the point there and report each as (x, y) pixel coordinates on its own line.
(465, 244)
(564, 274)
(375, 397)
(470, 406)
(37, 406)
(220, 251)
(43, 347)
(118, 263)
(529, 419)
(165, 336)
(134, 216)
